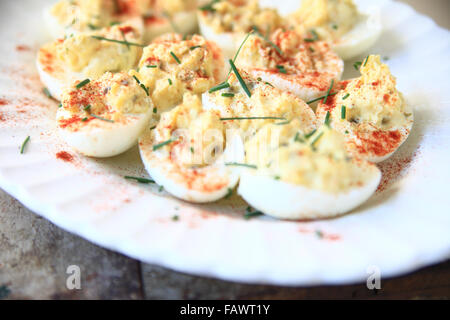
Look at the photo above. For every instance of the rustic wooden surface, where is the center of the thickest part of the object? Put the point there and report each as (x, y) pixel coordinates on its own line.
(35, 254)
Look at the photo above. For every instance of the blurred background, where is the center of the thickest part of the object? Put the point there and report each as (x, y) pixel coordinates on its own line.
(439, 10)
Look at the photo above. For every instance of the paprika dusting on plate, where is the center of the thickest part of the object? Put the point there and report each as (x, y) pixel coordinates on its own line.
(65, 156)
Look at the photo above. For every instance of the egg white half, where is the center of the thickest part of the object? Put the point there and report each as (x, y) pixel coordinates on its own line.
(197, 185)
(284, 200)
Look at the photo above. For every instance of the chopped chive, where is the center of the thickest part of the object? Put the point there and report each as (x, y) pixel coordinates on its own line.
(47, 93)
(334, 26)
(194, 47)
(281, 69)
(160, 189)
(357, 65)
(60, 105)
(82, 83)
(155, 110)
(84, 119)
(314, 38)
(127, 43)
(319, 234)
(253, 214)
(343, 112)
(277, 48)
(328, 92)
(283, 123)
(327, 118)
(269, 84)
(152, 128)
(152, 66)
(252, 118)
(162, 144)
(175, 57)
(277, 177)
(92, 27)
(114, 23)
(365, 61)
(297, 138)
(309, 135)
(229, 193)
(236, 164)
(209, 6)
(346, 96)
(145, 89)
(170, 81)
(228, 95)
(241, 81)
(312, 49)
(87, 108)
(192, 150)
(175, 218)
(24, 143)
(316, 139)
(221, 86)
(140, 180)
(320, 98)
(101, 118)
(125, 39)
(240, 48)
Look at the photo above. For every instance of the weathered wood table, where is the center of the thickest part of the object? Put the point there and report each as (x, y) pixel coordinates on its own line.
(35, 254)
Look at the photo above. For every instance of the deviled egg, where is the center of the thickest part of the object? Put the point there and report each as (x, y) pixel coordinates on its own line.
(88, 55)
(171, 66)
(104, 117)
(189, 154)
(257, 104)
(291, 64)
(338, 21)
(370, 112)
(227, 22)
(304, 175)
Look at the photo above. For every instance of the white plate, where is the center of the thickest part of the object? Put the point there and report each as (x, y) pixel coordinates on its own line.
(400, 229)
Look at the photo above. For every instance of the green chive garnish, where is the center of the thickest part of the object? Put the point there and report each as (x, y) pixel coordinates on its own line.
(328, 92)
(162, 144)
(327, 118)
(281, 69)
(320, 98)
(142, 85)
(170, 81)
(253, 214)
(87, 108)
(316, 139)
(140, 180)
(152, 66)
(277, 48)
(346, 96)
(228, 95)
(82, 83)
(309, 135)
(175, 218)
(252, 118)
(365, 61)
(127, 43)
(175, 57)
(195, 47)
(84, 119)
(236, 164)
(221, 86)
(209, 6)
(241, 81)
(343, 112)
(24, 143)
(297, 138)
(357, 65)
(314, 38)
(47, 93)
(101, 118)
